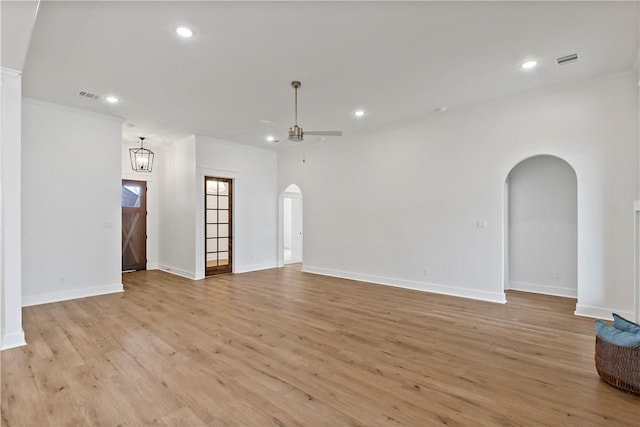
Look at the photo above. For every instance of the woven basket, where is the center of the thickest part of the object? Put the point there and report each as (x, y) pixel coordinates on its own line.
(618, 366)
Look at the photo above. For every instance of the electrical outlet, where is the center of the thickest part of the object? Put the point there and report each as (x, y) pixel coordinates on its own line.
(557, 275)
(342, 262)
(427, 271)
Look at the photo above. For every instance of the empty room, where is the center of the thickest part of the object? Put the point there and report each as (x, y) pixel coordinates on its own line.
(322, 213)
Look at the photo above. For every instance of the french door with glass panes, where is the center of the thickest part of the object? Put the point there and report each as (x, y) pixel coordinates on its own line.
(217, 205)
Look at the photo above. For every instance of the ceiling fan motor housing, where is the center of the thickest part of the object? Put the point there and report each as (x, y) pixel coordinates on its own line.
(295, 133)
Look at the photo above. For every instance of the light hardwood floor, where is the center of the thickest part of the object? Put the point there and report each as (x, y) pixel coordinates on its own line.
(283, 348)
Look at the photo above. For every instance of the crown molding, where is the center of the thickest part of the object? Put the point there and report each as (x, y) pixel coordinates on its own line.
(9, 73)
(74, 110)
(245, 147)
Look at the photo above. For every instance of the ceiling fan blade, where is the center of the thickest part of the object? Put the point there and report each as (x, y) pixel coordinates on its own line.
(323, 132)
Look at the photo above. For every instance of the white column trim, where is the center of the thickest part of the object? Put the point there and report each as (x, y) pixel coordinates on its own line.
(9, 73)
(11, 334)
(636, 260)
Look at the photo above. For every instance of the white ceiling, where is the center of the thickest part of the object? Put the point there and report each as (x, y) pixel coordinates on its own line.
(398, 61)
(18, 18)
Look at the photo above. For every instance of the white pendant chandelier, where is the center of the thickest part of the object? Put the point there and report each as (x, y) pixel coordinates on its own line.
(141, 158)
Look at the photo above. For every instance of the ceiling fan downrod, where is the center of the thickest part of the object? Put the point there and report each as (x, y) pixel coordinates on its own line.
(295, 132)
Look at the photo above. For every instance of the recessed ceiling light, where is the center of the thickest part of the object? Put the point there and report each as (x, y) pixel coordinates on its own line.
(185, 32)
(441, 109)
(529, 64)
(112, 99)
(264, 121)
(358, 113)
(272, 139)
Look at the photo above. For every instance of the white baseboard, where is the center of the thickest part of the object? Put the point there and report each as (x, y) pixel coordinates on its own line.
(152, 266)
(410, 284)
(13, 340)
(239, 269)
(177, 271)
(255, 267)
(560, 291)
(601, 313)
(29, 300)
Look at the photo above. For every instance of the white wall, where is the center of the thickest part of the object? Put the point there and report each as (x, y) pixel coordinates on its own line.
(176, 166)
(543, 213)
(11, 334)
(385, 206)
(255, 201)
(71, 215)
(183, 166)
(153, 197)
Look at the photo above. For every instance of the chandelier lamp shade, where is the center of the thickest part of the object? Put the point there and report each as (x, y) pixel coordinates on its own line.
(141, 158)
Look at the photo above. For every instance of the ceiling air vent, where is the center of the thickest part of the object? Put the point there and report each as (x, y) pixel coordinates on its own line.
(567, 59)
(88, 95)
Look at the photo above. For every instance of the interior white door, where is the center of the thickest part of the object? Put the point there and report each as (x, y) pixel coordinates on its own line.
(296, 230)
(286, 202)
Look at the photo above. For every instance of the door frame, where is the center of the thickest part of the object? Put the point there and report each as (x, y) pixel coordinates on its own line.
(200, 248)
(143, 205)
(506, 231)
(283, 193)
(293, 198)
(212, 271)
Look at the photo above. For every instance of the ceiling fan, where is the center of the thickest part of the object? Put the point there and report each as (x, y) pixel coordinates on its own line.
(295, 133)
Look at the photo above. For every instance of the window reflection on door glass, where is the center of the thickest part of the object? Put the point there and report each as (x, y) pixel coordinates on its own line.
(131, 196)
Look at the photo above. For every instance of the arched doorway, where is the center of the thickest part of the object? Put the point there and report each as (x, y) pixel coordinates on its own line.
(292, 225)
(541, 228)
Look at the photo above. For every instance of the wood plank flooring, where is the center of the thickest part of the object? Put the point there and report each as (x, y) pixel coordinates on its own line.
(285, 348)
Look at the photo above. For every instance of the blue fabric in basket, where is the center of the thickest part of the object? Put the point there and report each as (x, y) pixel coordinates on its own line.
(616, 336)
(623, 324)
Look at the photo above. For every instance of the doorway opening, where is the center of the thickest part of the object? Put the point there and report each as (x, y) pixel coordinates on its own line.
(218, 216)
(541, 227)
(134, 225)
(292, 227)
